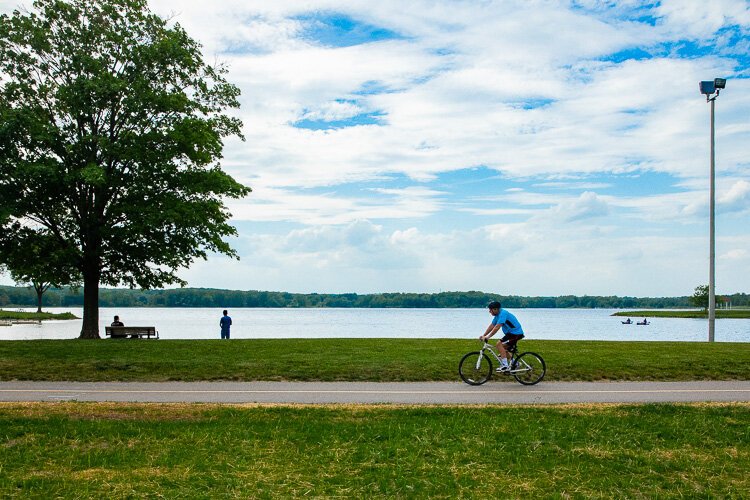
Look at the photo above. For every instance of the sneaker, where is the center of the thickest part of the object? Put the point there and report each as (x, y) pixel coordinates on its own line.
(502, 369)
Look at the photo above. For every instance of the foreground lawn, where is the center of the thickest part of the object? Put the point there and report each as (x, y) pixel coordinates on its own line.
(88, 450)
(356, 360)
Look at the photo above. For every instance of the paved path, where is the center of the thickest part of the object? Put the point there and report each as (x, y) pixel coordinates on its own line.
(373, 392)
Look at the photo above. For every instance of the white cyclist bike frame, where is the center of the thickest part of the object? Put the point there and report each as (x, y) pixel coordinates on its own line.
(516, 365)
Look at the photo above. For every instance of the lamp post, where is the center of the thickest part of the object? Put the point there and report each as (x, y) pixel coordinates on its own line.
(711, 90)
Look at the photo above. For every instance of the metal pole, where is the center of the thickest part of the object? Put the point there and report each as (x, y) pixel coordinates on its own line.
(712, 242)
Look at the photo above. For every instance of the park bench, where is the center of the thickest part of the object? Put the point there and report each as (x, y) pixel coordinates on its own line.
(133, 332)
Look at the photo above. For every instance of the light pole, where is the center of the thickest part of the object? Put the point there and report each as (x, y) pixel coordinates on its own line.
(711, 90)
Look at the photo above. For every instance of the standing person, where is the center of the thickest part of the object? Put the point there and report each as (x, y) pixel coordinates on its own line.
(225, 322)
(511, 328)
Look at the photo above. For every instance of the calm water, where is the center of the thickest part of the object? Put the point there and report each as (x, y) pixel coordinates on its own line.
(568, 324)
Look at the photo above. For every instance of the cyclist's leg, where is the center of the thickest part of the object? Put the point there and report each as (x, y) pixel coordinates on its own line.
(509, 342)
(501, 346)
(502, 351)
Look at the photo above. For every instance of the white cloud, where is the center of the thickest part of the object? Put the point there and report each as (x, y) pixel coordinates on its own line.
(335, 110)
(461, 77)
(524, 258)
(536, 92)
(737, 198)
(703, 19)
(274, 205)
(736, 254)
(459, 82)
(587, 205)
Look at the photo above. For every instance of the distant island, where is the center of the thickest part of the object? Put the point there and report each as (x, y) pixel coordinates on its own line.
(8, 317)
(210, 297)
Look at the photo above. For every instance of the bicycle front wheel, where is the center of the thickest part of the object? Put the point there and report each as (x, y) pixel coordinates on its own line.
(475, 368)
(528, 368)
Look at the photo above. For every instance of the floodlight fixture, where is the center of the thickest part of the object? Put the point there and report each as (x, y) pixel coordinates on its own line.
(707, 88)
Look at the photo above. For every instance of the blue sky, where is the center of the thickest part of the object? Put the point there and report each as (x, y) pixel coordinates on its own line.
(516, 147)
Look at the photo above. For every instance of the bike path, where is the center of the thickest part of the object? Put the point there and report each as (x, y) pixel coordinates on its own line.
(494, 392)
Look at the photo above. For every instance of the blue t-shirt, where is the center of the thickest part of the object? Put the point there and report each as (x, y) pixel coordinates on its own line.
(225, 323)
(509, 322)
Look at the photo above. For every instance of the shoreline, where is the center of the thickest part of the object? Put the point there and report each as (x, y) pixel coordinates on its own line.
(688, 314)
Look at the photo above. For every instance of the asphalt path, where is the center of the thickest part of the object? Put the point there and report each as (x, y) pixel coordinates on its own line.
(377, 392)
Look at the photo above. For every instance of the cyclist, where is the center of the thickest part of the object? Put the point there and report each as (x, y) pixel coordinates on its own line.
(511, 329)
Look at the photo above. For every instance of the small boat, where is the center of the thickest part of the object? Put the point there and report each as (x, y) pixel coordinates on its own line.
(643, 323)
(628, 322)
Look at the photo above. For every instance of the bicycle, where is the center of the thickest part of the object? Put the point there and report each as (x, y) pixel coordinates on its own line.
(476, 368)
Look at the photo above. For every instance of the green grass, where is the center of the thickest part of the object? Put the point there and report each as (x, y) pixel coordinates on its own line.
(690, 313)
(88, 450)
(34, 315)
(356, 360)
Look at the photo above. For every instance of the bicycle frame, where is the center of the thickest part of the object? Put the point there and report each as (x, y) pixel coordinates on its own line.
(493, 351)
(513, 359)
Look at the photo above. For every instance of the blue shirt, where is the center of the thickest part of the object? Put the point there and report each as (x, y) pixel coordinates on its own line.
(225, 323)
(509, 322)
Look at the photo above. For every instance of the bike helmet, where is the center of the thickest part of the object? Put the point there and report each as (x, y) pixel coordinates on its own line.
(494, 305)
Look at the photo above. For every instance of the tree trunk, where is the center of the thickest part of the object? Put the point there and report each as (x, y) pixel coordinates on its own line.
(90, 328)
(40, 287)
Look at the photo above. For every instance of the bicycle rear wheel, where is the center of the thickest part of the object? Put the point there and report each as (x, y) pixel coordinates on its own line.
(475, 368)
(528, 368)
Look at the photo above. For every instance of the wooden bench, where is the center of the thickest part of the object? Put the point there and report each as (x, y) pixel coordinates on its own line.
(133, 332)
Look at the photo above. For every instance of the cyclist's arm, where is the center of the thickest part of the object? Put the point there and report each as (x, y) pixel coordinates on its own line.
(491, 330)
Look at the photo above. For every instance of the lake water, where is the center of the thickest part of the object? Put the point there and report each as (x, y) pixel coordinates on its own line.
(563, 324)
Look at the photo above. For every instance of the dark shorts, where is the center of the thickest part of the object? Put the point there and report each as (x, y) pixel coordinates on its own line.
(510, 339)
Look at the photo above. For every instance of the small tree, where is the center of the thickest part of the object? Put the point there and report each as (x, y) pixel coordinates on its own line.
(700, 297)
(111, 129)
(35, 257)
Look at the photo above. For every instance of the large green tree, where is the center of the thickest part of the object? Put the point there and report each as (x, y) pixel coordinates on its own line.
(111, 130)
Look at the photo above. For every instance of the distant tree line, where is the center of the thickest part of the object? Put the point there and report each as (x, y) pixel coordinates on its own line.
(209, 297)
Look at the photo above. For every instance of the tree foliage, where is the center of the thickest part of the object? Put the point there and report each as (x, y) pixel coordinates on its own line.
(700, 297)
(35, 257)
(111, 129)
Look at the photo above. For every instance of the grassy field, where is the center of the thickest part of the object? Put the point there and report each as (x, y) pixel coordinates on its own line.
(694, 313)
(87, 450)
(356, 360)
(34, 315)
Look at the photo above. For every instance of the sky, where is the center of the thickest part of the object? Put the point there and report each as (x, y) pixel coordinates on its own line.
(512, 147)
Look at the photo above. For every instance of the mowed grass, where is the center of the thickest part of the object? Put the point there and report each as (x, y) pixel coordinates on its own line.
(89, 450)
(356, 360)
